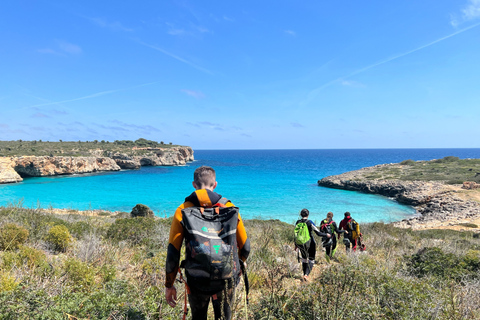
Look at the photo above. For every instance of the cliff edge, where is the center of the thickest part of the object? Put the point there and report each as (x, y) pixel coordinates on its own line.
(14, 169)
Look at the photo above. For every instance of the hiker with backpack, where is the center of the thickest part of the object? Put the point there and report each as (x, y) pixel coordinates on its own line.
(353, 238)
(305, 242)
(330, 244)
(216, 246)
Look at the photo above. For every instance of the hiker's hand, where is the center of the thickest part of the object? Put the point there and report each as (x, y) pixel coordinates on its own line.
(329, 235)
(171, 296)
(346, 232)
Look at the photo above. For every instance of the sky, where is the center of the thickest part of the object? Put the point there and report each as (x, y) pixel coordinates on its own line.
(243, 74)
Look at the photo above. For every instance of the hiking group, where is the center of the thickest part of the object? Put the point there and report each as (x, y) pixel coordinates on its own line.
(217, 246)
(306, 246)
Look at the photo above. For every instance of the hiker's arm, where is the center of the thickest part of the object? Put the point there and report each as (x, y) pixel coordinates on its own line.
(173, 251)
(337, 230)
(243, 242)
(318, 232)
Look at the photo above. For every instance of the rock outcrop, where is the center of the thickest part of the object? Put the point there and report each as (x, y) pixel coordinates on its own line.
(51, 166)
(7, 173)
(176, 156)
(12, 169)
(434, 202)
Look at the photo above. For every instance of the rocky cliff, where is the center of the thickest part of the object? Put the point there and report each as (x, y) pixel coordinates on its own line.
(175, 156)
(12, 169)
(51, 166)
(7, 173)
(435, 202)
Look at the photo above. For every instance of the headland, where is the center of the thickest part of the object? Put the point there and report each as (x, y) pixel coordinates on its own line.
(20, 159)
(444, 192)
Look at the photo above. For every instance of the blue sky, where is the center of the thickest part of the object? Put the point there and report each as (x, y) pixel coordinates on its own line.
(243, 74)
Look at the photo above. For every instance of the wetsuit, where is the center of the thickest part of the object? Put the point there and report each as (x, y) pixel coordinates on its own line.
(333, 230)
(201, 292)
(348, 225)
(308, 250)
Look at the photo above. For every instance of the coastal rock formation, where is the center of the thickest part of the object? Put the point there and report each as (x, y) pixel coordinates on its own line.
(50, 166)
(7, 173)
(12, 169)
(435, 202)
(176, 156)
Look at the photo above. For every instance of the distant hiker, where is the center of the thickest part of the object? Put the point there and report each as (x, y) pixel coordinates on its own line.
(305, 242)
(330, 244)
(215, 243)
(353, 237)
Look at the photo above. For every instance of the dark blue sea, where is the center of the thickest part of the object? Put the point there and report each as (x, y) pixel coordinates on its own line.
(265, 184)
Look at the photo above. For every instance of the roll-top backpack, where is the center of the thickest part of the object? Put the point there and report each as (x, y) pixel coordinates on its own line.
(211, 242)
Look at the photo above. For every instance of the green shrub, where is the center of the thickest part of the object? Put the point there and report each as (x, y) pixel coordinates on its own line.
(408, 162)
(59, 237)
(79, 228)
(79, 273)
(133, 230)
(12, 236)
(432, 261)
(108, 273)
(33, 258)
(7, 282)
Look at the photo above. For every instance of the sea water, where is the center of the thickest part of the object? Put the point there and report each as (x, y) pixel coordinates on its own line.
(265, 184)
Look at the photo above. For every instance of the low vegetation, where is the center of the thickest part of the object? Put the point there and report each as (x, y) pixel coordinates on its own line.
(450, 170)
(113, 268)
(77, 148)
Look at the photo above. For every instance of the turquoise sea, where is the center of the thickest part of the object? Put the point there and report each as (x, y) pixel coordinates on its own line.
(263, 183)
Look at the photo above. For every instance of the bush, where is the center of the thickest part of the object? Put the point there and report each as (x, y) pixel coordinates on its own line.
(432, 261)
(408, 162)
(7, 282)
(12, 236)
(133, 230)
(59, 237)
(79, 273)
(141, 210)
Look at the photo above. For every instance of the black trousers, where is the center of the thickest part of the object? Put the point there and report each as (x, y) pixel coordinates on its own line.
(308, 253)
(331, 249)
(221, 301)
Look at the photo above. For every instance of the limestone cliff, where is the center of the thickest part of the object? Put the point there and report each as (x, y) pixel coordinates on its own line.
(176, 156)
(12, 169)
(7, 173)
(32, 166)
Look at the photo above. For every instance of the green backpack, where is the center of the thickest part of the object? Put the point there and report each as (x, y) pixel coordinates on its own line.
(302, 235)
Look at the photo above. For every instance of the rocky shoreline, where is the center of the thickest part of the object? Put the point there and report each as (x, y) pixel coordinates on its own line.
(14, 169)
(436, 203)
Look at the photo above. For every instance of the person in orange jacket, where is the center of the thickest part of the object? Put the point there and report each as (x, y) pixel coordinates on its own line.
(202, 291)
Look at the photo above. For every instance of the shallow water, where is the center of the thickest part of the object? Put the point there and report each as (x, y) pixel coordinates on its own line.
(263, 183)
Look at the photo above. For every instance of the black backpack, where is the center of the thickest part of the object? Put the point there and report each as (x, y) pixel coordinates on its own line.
(211, 242)
(326, 226)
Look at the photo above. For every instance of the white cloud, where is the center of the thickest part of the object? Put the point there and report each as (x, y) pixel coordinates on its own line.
(195, 94)
(69, 47)
(172, 30)
(62, 48)
(290, 32)
(114, 26)
(175, 57)
(471, 11)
